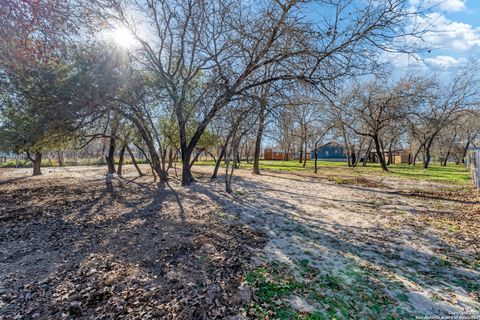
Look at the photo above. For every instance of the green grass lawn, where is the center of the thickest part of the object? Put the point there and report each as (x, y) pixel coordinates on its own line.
(457, 174)
(68, 162)
(451, 173)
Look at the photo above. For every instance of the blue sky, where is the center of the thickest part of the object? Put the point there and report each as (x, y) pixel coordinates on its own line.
(454, 37)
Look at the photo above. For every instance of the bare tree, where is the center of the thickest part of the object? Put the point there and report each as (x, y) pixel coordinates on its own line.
(375, 106)
(207, 54)
(440, 107)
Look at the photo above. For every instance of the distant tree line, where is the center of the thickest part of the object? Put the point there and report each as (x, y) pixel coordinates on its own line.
(221, 75)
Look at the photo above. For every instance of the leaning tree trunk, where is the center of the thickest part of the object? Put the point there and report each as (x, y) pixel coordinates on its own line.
(197, 155)
(37, 164)
(155, 161)
(465, 150)
(444, 163)
(140, 173)
(380, 155)
(217, 164)
(222, 154)
(415, 156)
(149, 162)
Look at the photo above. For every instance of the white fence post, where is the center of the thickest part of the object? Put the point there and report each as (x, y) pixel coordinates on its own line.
(477, 162)
(474, 160)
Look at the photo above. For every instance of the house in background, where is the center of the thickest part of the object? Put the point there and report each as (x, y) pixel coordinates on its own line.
(5, 156)
(330, 151)
(396, 157)
(274, 154)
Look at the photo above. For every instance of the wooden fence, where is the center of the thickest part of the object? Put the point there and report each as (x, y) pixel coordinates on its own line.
(473, 160)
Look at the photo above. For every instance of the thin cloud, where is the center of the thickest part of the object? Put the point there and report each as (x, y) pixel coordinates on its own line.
(443, 62)
(443, 5)
(447, 34)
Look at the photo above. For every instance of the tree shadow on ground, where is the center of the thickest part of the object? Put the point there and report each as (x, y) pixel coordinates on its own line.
(312, 178)
(409, 257)
(119, 247)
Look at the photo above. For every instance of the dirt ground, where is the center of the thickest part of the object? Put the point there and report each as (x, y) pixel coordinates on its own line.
(76, 242)
(414, 245)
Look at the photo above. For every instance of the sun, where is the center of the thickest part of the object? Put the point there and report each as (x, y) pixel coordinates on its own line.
(123, 37)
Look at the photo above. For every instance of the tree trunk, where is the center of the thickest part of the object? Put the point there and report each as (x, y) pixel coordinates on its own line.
(258, 139)
(358, 154)
(380, 155)
(170, 158)
(305, 155)
(155, 161)
(427, 157)
(301, 154)
(349, 157)
(140, 173)
(218, 162)
(367, 153)
(187, 177)
(444, 162)
(121, 159)
(37, 164)
(149, 162)
(196, 157)
(315, 151)
(448, 151)
(110, 157)
(237, 160)
(414, 162)
(230, 154)
(347, 146)
(426, 160)
(465, 150)
(61, 161)
(390, 154)
(228, 181)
